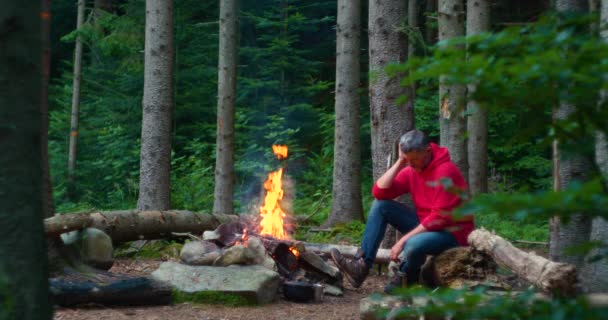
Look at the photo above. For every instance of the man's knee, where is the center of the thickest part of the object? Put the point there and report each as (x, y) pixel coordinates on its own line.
(380, 207)
(414, 249)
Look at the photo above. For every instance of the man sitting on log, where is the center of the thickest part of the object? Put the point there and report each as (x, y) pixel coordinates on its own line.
(424, 170)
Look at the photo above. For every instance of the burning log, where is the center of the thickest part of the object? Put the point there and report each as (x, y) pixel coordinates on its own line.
(132, 225)
(382, 257)
(549, 276)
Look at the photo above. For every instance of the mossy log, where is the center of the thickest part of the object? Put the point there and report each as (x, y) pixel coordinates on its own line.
(131, 225)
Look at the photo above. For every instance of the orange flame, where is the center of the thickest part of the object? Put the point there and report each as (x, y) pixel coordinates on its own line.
(294, 251)
(271, 213)
(280, 151)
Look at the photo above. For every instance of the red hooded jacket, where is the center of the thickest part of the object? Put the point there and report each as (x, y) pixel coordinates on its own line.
(433, 203)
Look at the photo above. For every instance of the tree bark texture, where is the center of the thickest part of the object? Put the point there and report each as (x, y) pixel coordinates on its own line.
(452, 123)
(224, 156)
(382, 257)
(346, 204)
(478, 21)
(569, 168)
(581, 6)
(73, 148)
(107, 289)
(23, 263)
(595, 274)
(389, 120)
(553, 277)
(155, 163)
(47, 190)
(576, 231)
(131, 225)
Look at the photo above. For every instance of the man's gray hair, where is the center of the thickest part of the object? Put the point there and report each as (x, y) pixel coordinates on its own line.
(414, 140)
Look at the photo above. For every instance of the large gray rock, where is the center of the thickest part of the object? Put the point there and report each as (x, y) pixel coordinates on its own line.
(261, 255)
(255, 283)
(200, 253)
(93, 246)
(237, 254)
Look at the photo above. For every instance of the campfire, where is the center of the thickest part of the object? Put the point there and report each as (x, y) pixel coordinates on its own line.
(266, 240)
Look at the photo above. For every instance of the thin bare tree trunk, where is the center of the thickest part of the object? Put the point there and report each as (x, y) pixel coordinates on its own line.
(73, 149)
(569, 168)
(155, 167)
(452, 96)
(478, 21)
(224, 155)
(346, 205)
(48, 205)
(23, 264)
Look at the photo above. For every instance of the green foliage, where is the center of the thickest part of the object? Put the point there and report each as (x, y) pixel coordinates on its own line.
(510, 229)
(546, 204)
(159, 249)
(477, 304)
(210, 297)
(350, 233)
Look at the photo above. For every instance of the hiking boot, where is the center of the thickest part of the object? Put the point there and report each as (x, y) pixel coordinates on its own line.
(396, 281)
(355, 270)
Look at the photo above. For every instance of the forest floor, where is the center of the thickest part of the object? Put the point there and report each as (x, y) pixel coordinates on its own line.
(331, 308)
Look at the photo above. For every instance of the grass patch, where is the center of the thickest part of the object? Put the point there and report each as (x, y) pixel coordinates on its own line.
(157, 249)
(213, 297)
(513, 229)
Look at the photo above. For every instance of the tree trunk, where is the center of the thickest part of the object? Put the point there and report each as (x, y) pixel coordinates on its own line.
(107, 289)
(224, 155)
(23, 267)
(389, 120)
(415, 38)
(132, 225)
(595, 274)
(478, 21)
(382, 257)
(73, 149)
(554, 277)
(451, 97)
(48, 206)
(155, 167)
(569, 168)
(430, 32)
(346, 205)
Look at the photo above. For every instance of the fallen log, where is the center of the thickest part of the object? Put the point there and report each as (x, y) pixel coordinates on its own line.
(109, 289)
(553, 277)
(382, 257)
(132, 225)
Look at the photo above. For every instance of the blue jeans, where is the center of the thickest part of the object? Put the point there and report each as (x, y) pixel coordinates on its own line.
(404, 219)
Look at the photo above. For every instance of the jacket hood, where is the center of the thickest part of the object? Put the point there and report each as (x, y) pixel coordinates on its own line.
(440, 155)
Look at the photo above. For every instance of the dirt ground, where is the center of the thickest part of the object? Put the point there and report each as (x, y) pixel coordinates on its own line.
(331, 308)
